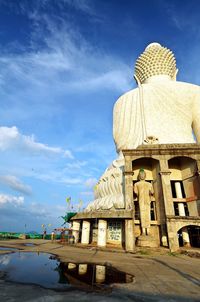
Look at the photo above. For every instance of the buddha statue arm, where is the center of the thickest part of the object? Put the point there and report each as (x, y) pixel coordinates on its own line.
(151, 191)
(126, 121)
(196, 117)
(117, 124)
(135, 189)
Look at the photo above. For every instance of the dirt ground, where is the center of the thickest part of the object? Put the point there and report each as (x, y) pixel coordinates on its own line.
(159, 275)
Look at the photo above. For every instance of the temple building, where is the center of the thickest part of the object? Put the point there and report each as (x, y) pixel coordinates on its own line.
(150, 195)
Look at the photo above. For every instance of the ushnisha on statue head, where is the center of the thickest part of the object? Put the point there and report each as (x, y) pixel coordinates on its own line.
(155, 61)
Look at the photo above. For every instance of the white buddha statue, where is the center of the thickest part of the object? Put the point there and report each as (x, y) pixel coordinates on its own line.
(160, 111)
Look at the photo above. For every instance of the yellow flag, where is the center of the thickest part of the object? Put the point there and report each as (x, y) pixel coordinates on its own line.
(95, 187)
(68, 199)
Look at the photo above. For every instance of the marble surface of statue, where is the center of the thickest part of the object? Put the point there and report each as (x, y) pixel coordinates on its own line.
(144, 191)
(160, 108)
(160, 111)
(108, 192)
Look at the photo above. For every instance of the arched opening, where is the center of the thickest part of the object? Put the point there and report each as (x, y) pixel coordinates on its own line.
(147, 207)
(151, 167)
(194, 234)
(189, 236)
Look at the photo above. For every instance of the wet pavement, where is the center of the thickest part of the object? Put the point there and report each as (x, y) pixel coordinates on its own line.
(155, 275)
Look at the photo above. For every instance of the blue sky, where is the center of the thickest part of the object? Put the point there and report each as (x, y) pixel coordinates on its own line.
(63, 64)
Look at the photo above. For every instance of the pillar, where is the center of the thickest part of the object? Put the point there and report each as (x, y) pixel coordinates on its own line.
(128, 190)
(129, 204)
(167, 195)
(102, 232)
(168, 206)
(76, 230)
(85, 237)
(181, 208)
(129, 235)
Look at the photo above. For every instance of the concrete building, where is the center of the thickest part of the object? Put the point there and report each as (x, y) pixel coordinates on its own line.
(156, 129)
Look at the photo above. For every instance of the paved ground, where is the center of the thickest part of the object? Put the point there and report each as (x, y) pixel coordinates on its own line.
(159, 275)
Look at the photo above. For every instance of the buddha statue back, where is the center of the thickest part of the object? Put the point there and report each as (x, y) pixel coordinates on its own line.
(160, 110)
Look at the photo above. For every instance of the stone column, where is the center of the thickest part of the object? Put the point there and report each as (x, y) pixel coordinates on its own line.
(102, 232)
(181, 208)
(76, 230)
(85, 237)
(129, 205)
(167, 195)
(168, 204)
(128, 190)
(129, 235)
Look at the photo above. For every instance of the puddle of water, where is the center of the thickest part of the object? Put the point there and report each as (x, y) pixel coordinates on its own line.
(93, 276)
(8, 249)
(45, 270)
(31, 268)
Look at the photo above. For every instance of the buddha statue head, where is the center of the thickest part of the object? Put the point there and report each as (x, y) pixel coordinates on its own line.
(156, 60)
(142, 174)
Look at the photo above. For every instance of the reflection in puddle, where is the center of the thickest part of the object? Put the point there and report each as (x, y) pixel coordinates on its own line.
(25, 267)
(45, 270)
(29, 244)
(93, 276)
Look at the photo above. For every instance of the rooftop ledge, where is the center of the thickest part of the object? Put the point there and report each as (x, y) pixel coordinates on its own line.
(189, 148)
(104, 214)
(186, 218)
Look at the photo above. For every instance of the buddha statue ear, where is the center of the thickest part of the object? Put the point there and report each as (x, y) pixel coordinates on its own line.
(175, 75)
(136, 79)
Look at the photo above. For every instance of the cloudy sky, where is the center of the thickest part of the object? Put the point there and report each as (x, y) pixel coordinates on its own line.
(63, 64)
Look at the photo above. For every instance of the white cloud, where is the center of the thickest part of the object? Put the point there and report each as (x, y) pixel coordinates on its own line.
(67, 62)
(82, 5)
(87, 193)
(90, 182)
(9, 199)
(11, 138)
(5, 259)
(180, 18)
(14, 183)
(14, 214)
(58, 177)
(68, 154)
(76, 165)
